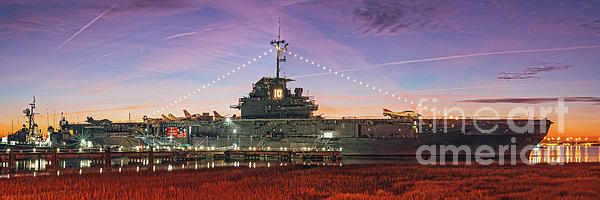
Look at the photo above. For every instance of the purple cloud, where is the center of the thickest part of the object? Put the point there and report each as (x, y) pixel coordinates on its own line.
(592, 25)
(532, 71)
(393, 16)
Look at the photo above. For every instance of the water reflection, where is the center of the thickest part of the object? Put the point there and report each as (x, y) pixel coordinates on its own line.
(38, 167)
(565, 154)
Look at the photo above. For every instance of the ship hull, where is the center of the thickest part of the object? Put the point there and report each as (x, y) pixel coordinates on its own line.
(392, 146)
(391, 137)
(355, 137)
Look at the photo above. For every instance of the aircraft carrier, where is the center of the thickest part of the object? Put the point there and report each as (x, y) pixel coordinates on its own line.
(275, 117)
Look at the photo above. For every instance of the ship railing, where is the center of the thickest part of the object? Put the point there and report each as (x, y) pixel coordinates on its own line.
(199, 142)
(158, 141)
(148, 141)
(320, 142)
(261, 143)
(303, 136)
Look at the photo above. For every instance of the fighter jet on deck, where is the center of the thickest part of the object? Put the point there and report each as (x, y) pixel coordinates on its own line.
(98, 122)
(192, 117)
(401, 115)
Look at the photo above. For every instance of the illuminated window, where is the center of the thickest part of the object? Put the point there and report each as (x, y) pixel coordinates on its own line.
(278, 93)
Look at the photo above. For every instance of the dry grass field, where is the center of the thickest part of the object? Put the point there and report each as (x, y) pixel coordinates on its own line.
(369, 181)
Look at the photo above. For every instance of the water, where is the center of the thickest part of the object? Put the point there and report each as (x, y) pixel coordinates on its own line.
(565, 154)
(37, 167)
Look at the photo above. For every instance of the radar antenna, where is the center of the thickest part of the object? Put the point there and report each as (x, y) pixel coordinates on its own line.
(30, 113)
(280, 46)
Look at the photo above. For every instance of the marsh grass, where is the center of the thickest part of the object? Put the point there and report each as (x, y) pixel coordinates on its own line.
(369, 181)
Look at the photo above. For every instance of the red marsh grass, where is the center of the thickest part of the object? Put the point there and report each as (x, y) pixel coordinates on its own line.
(372, 181)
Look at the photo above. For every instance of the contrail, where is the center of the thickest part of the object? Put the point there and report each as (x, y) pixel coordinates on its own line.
(208, 28)
(486, 54)
(180, 35)
(458, 56)
(310, 75)
(84, 27)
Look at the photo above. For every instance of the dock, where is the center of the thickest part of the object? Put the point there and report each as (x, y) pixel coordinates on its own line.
(103, 156)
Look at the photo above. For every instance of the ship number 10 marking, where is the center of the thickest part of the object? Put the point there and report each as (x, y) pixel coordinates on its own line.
(278, 93)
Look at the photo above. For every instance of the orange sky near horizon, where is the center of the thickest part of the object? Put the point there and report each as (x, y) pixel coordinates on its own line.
(576, 124)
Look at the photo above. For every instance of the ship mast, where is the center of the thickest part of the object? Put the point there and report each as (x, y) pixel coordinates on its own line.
(280, 45)
(30, 113)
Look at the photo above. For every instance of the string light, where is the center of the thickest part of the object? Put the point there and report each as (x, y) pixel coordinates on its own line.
(296, 56)
(179, 100)
(312, 62)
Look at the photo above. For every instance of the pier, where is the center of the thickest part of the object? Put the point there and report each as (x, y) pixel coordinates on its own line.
(103, 157)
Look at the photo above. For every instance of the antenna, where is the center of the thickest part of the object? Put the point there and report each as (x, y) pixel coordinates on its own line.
(280, 45)
(30, 114)
(47, 117)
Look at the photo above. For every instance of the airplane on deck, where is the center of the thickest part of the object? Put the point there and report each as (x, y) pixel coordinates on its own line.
(190, 117)
(98, 122)
(401, 115)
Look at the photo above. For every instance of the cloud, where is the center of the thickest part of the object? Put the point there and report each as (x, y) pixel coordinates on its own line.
(561, 25)
(156, 3)
(533, 70)
(594, 100)
(592, 25)
(21, 25)
(155, 7)
(393, 16)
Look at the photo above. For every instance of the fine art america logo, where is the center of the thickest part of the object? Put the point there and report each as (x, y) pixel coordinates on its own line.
(518, 130)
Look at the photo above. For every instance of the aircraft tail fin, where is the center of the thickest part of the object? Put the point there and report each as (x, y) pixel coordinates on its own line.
(187, 114)
(217, 114)
(171, 116)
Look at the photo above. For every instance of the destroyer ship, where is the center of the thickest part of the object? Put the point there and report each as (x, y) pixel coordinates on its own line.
(275, 117)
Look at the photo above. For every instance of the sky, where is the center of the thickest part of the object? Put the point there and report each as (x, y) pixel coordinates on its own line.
(113, 59)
